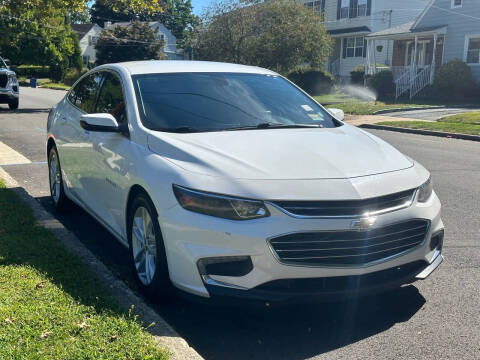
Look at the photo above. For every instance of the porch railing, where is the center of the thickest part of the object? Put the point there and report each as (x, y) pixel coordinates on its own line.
(421, 80)
(334, 67)
(403, 83)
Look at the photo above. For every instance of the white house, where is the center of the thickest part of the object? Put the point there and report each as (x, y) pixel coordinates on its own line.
(349, 21)
(88, 35)
(170, 47)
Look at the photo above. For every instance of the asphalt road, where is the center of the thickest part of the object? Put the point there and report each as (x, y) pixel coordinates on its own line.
(430, 114)
(434, 319)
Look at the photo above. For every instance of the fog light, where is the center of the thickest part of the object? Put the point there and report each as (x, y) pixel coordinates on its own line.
(436, 242)
(225, 266)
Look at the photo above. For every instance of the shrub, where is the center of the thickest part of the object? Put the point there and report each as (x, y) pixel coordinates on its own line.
(453, 79)
(357, 75)
(382, 84)
(72, 75)
(36, 71)
(313, 81)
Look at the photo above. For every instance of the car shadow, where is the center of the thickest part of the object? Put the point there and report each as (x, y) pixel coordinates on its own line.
(246, 332)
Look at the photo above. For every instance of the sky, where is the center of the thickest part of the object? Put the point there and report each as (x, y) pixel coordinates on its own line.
(198, 5)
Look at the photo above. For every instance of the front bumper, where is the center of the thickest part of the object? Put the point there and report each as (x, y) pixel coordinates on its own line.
(190, 237)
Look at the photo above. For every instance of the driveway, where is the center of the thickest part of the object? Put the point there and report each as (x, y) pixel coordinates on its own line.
(434, 319)
(430, 114)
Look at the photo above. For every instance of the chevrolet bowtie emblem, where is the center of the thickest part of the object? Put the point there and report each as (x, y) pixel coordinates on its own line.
(363, 224)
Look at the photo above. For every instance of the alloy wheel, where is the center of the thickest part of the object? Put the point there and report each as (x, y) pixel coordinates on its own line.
(55, 177)
(144, 246)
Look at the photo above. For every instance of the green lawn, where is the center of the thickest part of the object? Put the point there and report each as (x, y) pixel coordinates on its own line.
(56, 86)
(370, 107)
(51, 305)
(467, 123)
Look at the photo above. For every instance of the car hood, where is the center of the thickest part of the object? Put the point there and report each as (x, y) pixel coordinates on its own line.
(280, 154)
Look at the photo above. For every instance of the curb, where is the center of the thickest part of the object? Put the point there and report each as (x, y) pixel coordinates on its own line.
(422, 132)
(162, 332)
(394, 110)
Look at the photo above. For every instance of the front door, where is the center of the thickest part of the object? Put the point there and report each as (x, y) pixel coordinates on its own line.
(110, 158)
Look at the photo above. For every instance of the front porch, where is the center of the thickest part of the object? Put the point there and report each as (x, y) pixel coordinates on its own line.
(416, 55)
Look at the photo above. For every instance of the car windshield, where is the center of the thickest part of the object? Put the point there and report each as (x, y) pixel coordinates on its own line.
(193, 102)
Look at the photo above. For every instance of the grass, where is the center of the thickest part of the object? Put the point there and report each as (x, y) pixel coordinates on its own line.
(56, 86)
(51, 305)
(370, 107)
(466, 123)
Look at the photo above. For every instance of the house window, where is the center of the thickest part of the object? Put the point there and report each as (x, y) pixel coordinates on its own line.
(344, 9)
(316, 6)
(354, 47)
(457, 4)
(362, 8)
(473, 50)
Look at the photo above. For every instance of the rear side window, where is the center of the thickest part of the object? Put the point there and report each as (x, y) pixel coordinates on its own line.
(84, 94)
(111, 98)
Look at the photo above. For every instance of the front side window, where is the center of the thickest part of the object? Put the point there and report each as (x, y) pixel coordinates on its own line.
(110, 99)
(84, 94)
(354, 47)
(190, 102)
(473, 50)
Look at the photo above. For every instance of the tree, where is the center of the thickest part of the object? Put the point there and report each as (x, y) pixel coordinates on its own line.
(137, 41)
(176, 15)
(275, 34)
(36, 32)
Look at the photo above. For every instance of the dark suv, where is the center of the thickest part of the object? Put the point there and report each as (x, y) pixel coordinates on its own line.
(9, 90)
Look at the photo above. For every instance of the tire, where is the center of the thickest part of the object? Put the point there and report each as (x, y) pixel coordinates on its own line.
(147, 250)
(55, 180)
(13, 104)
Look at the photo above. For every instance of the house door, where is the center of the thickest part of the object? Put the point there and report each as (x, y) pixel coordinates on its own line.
(421, 53)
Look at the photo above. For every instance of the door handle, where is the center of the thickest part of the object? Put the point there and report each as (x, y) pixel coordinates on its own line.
(64, 119)
(86, 132)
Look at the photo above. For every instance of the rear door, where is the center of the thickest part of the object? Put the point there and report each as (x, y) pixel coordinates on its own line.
(76, 145)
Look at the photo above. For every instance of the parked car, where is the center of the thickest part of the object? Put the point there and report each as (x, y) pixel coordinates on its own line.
(229, 181)
(9, 89)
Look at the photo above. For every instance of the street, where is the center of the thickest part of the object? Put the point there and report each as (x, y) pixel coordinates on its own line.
(434, 319)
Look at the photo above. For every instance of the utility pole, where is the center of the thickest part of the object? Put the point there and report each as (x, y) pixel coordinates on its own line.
(389, 26)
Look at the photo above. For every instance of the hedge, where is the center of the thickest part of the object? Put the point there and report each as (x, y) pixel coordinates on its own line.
(382, 84)
(36, 71)
(313, 81)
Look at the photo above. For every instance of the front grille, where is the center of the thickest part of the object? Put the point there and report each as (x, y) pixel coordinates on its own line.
(3, 80)
(347, 208)
(349, 247)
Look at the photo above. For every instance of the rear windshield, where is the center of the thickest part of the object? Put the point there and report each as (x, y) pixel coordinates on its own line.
(223, 101)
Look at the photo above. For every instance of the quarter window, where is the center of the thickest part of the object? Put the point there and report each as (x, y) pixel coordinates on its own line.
(473, 50)
(354, 47)
(84, 94)
(111, 98)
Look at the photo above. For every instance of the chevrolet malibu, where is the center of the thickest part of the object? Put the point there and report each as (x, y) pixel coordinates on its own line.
(228, 181)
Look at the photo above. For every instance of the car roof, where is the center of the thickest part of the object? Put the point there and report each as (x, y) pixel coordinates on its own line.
(186, 66)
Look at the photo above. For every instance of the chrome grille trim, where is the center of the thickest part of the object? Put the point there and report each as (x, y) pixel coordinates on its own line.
(364, 250)
(282, 205)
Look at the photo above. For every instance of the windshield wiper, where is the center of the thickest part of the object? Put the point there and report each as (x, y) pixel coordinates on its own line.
(180, 129)
(269, 125)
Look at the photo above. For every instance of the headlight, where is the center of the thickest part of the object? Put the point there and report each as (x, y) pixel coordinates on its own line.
(219, 205)
(425, 191)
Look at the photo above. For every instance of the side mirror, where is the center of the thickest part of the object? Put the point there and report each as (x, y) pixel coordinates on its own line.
(337, 114)
(101, 123)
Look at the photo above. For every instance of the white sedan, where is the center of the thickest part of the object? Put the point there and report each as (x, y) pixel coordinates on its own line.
(229, 181)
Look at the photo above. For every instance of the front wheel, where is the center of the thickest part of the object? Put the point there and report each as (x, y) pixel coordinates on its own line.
(147, 250)
(13, 104)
